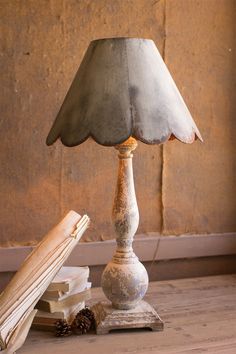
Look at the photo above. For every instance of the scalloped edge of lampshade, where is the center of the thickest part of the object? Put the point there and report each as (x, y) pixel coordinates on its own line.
(170, 136)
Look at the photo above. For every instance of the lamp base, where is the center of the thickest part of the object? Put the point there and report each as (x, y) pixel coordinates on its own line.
(142, 316)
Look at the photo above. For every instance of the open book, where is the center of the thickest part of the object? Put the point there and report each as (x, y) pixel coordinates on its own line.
(33, 278)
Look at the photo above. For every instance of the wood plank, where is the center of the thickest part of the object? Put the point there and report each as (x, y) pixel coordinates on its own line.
(147, 247)
(199, 316)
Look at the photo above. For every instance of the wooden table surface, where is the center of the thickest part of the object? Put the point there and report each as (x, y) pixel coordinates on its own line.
(199, 316)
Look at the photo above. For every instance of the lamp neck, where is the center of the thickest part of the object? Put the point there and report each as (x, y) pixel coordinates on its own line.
(125, 149)
(125, 210)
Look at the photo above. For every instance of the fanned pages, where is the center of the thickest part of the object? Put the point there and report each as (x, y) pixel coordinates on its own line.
(34, 276)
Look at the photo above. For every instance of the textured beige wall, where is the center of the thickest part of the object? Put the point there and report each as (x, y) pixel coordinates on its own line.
(199, 190)
(42, 44)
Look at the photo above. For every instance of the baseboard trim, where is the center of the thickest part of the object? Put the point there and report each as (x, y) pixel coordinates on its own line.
(147, 248)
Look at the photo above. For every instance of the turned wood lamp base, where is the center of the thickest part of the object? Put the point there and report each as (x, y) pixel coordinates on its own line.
(125, 279)
(142, 316)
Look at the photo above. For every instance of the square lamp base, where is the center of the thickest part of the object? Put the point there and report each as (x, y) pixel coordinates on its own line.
(142, 316)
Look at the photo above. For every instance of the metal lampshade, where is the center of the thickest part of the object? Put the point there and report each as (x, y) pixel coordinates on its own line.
(123, 88)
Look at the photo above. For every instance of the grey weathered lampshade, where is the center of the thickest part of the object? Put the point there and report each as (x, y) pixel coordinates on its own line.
(123, 88)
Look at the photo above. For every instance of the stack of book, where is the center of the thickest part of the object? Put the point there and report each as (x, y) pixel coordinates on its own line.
(64, 298)
(18, 299)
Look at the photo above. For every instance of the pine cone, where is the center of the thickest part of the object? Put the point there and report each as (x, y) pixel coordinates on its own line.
(81, 324)
(63, 329)
(89, 314)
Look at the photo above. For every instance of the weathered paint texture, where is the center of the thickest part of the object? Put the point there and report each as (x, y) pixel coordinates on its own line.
(125, 279)
(42, 44)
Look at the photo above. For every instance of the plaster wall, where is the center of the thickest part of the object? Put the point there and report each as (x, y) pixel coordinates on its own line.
(179, 188)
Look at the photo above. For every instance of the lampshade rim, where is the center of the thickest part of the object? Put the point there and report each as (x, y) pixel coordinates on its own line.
(121, 38)
(170, 136)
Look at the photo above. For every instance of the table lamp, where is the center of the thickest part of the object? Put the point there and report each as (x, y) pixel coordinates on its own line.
(123, 92)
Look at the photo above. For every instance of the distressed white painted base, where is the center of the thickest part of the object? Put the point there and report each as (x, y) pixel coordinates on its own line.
(142, 316)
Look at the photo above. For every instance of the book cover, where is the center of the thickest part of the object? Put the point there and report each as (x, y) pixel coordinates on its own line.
(58, 295)
(43, 317)
(67, 278)
(57, 306)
